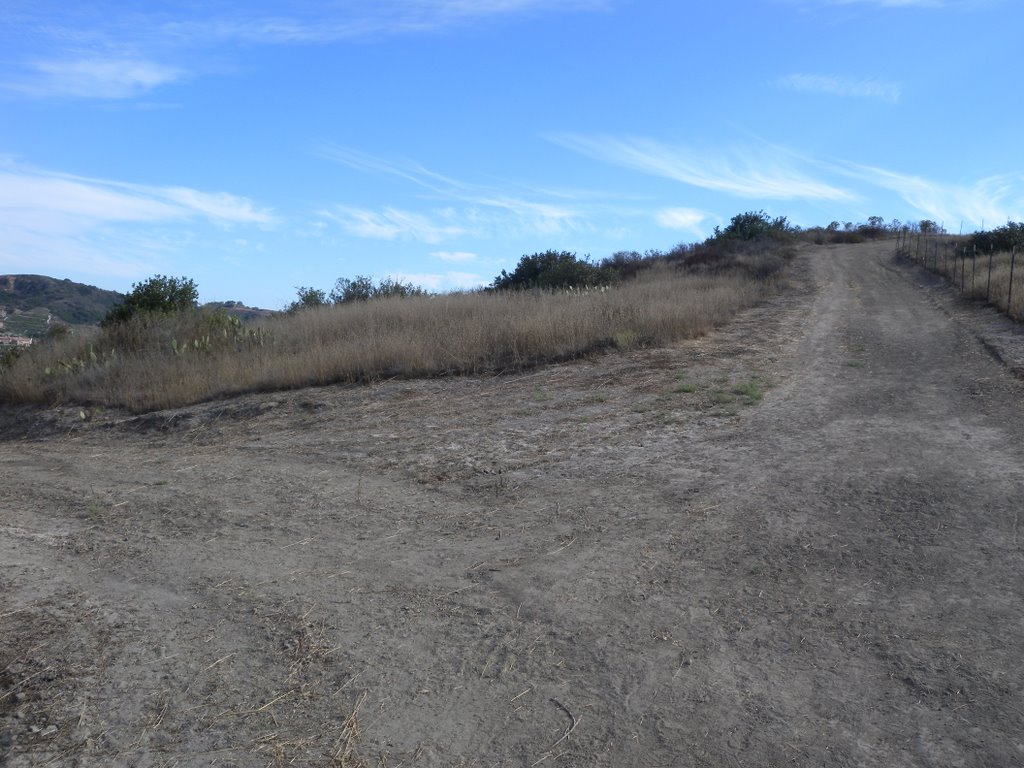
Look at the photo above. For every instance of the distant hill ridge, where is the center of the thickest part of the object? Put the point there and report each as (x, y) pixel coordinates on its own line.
(66, 300)
(30, 303)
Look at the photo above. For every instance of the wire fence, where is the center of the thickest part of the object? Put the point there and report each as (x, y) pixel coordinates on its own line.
(995, 277)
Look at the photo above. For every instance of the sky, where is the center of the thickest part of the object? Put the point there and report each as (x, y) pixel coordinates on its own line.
(257, 147)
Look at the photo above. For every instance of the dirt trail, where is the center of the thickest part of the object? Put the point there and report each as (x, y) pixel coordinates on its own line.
(629, 561)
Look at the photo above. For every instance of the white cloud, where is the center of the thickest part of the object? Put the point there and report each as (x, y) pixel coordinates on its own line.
(60, 199)
(216, 206)
(268, 25)
(446, 281)
(455, 256)
(895, 3)
(686, 219)
(61, 223)
(92, 78)
(870, 89)
(391, 224)
(111, 50)
(767, 173)
(989, 201)
(484, 209)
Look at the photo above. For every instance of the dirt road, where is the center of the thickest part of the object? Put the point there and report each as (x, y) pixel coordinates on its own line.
(629, 561)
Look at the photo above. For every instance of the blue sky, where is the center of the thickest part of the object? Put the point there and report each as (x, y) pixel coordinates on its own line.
(256, 147)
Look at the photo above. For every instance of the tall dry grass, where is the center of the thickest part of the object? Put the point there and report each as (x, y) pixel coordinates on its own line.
(984, 277)
(152, 364)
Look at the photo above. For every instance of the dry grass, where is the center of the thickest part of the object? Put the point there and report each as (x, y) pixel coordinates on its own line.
(182, 360)
(973, 276)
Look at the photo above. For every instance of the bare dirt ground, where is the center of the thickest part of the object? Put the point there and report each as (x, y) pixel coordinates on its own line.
(626, 561)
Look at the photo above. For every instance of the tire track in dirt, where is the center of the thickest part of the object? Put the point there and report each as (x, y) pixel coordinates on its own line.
(864, 558)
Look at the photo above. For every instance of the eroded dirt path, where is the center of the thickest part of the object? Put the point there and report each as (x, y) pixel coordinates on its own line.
(626, 561)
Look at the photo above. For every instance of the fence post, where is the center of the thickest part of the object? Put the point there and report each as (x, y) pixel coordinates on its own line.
(1009, 295)
(974, 269)
(988, 286)
(963, 272)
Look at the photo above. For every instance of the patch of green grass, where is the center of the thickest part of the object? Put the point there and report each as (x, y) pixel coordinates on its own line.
(750, 391)
(718, 397)
(93, 513)
(685, 388)
(855, 363)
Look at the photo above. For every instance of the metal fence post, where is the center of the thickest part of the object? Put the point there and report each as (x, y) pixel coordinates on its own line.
(1009, 295)
(974, 269)
(988, 286)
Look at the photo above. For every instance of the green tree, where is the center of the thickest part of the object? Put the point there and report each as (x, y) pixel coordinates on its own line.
(755, 226)
(307, 298)
(362, 288)
(553, 269)
(157, 295)
(395, 288)
(1002, 238)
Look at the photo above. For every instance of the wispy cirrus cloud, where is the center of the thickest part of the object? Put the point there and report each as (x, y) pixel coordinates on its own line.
(901, 3)
(65, 222)
(988, 201)
(685, 219)
(460, 257)
(482, 209)
(444, 281)
(90, 77)
(766, 173)
(391, 224)
(837, 86)
(112, 50)
(266, 23)
(27, 191)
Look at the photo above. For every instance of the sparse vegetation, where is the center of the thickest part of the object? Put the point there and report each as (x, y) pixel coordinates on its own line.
(347, 290)
(847, 232)
(158, 362)
(157, 295)
(158, 350)
(750, 391)
(554, 270)
(985, 266)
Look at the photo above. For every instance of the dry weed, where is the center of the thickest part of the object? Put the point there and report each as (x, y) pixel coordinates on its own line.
(156, 365)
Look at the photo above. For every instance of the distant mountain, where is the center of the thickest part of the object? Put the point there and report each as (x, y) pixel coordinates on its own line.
(239, 310)
(30, 303)
(37, 296)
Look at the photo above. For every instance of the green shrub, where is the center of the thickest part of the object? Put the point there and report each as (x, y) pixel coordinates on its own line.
(553, 270)
(752, 226)
(307, 298)
(361, 288)
(157, 295)
(1004, 238)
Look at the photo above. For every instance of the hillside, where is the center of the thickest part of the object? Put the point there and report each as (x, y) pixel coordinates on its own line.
(240, 310)
(26, 301)
(72, 302)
